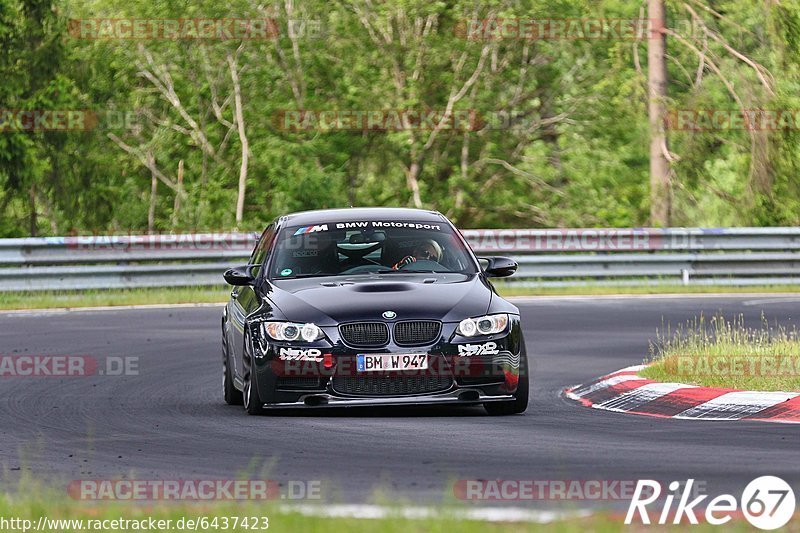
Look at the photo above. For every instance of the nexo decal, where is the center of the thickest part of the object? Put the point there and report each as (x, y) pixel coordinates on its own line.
(487, 348)
(298, 354)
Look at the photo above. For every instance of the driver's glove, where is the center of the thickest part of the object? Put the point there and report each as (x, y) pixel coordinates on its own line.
(407, 260)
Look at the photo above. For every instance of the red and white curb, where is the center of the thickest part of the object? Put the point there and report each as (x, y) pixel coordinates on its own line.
(625, 391)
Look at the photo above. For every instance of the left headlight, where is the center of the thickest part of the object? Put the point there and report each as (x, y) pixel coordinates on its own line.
(483, 325)
(291, 331)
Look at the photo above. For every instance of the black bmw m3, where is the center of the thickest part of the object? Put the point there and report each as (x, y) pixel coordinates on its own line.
(367, 307)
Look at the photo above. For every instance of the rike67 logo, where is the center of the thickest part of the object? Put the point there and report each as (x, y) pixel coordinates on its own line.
(767, 502)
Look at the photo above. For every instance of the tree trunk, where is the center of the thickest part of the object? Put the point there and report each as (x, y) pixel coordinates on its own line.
(176, 207)
(239, 113)
(412, 182)
(33, 221)
(151, 213)
(242, 178)
(352, 178)
(550, 137)
(660, 194)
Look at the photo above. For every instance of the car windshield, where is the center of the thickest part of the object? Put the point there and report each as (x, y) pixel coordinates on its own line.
(368, 247)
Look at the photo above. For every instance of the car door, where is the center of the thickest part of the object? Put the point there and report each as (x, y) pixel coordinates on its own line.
(244, 300)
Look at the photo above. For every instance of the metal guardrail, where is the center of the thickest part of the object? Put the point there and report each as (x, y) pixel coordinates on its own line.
(552, 257)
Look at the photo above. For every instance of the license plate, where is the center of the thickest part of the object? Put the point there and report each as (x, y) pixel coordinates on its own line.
(390, 361)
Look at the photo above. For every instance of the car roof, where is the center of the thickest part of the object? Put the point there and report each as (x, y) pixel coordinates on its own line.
(356, 214)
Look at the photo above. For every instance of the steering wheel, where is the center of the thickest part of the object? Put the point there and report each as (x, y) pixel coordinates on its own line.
(424, 264)
(372, 267)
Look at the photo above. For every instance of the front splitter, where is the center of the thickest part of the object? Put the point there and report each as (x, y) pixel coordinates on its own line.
(326, 400)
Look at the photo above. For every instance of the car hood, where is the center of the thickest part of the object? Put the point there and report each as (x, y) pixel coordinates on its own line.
(332, 300)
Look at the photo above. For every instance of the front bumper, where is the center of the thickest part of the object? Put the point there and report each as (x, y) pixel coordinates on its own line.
(463, 371)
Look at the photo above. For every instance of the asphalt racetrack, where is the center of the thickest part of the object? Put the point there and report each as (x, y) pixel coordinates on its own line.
(170, 422)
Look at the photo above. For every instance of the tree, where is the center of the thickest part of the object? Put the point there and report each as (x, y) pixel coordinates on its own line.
(660, 193)
(565, 132)
(30, 67)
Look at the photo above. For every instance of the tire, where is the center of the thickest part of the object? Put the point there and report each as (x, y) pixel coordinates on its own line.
(233, 396)
(520, 402)
(252, 400)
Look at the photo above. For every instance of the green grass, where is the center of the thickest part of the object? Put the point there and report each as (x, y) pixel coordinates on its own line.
(100, 298)
(729, 354)
(285, 521)
(53, 505)
(31, 499)
(179, 295)
(602, 290)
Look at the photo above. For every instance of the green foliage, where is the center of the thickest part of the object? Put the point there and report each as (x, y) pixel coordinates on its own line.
(578, 154)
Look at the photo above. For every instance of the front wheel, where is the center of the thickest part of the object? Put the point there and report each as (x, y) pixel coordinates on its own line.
(520, 402)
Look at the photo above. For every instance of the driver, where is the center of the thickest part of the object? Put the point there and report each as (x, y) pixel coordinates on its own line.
(425, 250)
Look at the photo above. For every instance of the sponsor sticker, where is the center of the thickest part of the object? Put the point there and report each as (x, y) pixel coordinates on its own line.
(305, 253)
(311, 229)
(300, 354)
(487, 348)
(383, 224)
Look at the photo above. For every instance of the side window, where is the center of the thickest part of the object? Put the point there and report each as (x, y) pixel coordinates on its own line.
(260, 252)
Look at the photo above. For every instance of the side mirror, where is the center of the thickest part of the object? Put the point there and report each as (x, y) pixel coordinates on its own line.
(499, 267)
(241, 275)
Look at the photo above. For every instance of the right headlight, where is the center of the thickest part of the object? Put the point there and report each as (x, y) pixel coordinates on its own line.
(483, 325)
(290, 331)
